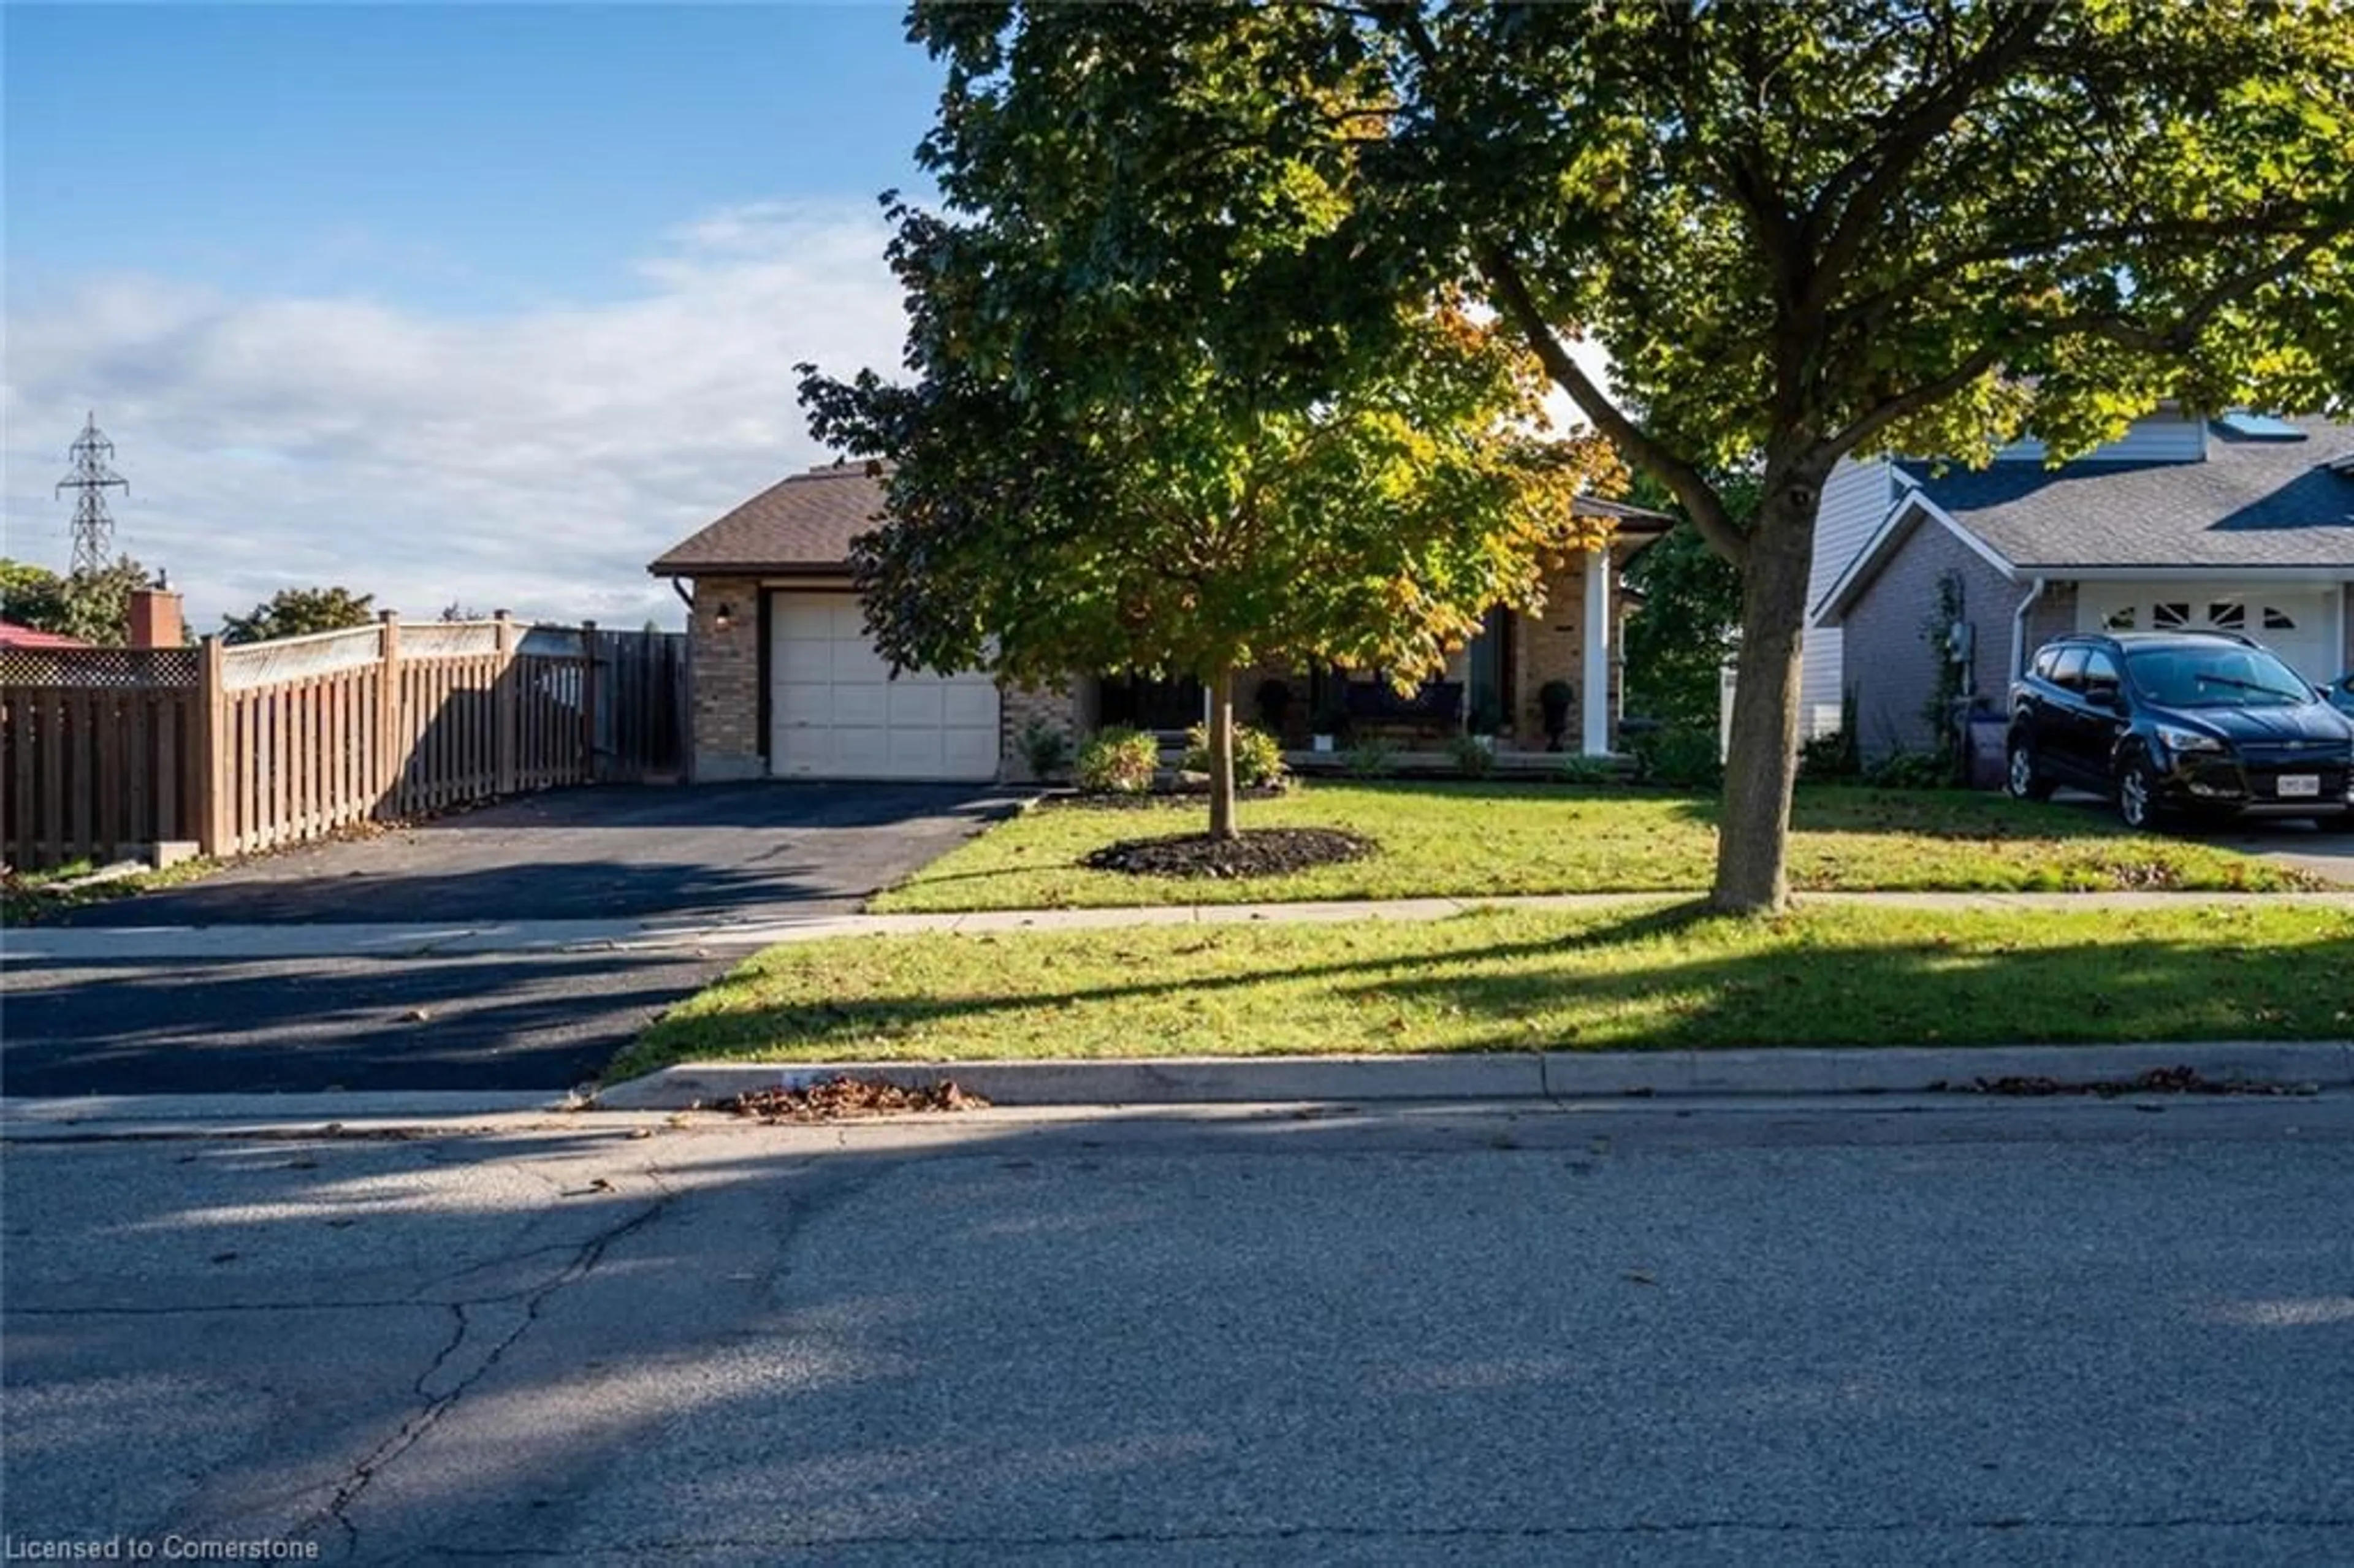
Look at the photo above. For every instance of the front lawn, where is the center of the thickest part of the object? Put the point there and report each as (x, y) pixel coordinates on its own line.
(1521, 980)
(1483, 840)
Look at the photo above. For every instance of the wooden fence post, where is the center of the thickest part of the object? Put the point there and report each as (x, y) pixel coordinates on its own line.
(505, 710)
(391, 755)
(588, 702)
(216, 766)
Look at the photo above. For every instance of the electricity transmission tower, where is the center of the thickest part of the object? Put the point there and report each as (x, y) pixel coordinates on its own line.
(92, 476)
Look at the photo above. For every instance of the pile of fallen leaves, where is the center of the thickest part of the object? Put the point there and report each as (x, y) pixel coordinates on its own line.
(1261, 851)
(2157, 1081)
(840, 1099)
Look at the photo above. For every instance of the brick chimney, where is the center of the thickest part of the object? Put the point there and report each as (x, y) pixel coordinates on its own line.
(155, 619)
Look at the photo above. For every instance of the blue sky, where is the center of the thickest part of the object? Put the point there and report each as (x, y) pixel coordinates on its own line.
(442, 303)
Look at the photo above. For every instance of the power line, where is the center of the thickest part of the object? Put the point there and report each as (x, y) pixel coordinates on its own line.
(93, 475)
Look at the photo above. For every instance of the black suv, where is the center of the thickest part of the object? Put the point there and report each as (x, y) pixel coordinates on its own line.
(2205, 724)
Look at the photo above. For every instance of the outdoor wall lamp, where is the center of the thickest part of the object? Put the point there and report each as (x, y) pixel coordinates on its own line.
(726, 617)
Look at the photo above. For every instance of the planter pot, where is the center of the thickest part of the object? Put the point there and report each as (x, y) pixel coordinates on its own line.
(1486, 742)
(1320, 742)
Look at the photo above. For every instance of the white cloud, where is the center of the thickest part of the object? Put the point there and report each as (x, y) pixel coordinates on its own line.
(535, 460)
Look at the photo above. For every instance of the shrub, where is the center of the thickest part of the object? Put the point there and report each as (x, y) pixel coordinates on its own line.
(1259, 755)
(1681, 759)
(1370, 758)
(1046, 748)
(1829, 755)
(1911, 770)
(1472, 759)
(1582, 769)
(1117, 760)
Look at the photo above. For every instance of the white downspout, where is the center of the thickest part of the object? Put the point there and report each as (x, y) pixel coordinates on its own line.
(2018, 629)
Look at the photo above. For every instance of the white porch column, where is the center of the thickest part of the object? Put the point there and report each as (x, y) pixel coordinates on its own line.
(1595, 703)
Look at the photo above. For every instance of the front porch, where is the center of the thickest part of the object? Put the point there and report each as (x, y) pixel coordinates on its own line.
(1493, 686)
(1511, 766)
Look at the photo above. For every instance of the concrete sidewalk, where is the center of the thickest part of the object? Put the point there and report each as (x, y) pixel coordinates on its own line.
(459, 939)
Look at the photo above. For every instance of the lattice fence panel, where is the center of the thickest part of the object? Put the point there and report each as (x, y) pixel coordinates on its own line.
(112, 669)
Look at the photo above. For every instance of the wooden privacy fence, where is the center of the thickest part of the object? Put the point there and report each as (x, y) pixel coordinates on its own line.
(105, 752)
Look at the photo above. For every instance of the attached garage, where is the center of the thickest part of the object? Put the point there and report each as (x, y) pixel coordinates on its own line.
(835, 712)
(2300, 624)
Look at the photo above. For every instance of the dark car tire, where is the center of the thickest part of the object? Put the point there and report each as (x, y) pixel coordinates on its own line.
(2022, 778)
(2137, 796)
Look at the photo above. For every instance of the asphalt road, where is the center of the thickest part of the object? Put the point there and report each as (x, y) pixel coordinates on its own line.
(718, 854)
(2086, 1333)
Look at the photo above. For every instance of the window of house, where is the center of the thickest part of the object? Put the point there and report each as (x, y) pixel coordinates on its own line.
(2278, 619)
(2228, 615)
(2170, 617)
(2122, 619)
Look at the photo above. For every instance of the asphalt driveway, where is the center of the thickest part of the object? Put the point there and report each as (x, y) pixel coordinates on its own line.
(722, 852)
(2324, 851)
(525, 1020)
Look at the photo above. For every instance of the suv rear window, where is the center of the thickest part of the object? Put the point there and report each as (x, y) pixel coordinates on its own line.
(2068, 673)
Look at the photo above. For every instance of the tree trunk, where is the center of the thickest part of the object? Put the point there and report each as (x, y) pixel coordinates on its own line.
(1762, 759)
(1222, 756)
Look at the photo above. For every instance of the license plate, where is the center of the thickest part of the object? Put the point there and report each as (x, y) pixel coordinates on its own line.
(2292, 786)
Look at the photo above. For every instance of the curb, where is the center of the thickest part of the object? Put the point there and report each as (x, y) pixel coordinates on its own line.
(1531, 1076)
(118, 1115)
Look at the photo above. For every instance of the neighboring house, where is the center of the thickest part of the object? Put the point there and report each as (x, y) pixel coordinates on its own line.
(14, 637)
(788, 683)
(2241, 523)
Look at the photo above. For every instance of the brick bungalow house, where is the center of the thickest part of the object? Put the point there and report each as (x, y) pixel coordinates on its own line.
(786, 683)
(2241, 523)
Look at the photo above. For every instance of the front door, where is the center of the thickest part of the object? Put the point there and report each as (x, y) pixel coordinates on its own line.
(1490, 667)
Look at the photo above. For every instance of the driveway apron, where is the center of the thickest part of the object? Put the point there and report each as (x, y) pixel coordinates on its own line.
(710, 854)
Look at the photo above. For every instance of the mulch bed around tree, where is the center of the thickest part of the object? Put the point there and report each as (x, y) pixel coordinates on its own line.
(1260, 852)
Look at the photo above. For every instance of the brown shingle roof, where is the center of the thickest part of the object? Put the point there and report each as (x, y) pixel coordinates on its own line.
(804, 524)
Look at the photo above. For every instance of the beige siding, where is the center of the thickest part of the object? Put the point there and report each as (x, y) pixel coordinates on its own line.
(2163, 437)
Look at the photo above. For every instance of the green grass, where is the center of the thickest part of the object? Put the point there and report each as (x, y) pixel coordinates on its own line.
(1482, 840)
(26, 898)
(1521, 980)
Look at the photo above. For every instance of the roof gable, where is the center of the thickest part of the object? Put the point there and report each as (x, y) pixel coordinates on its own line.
(2252, 503)
(804, 523)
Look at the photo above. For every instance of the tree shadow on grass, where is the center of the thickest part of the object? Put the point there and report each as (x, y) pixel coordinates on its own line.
(1627, 983)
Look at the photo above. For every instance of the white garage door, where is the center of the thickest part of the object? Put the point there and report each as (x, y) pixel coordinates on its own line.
(2298, 624)
(835, 713)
